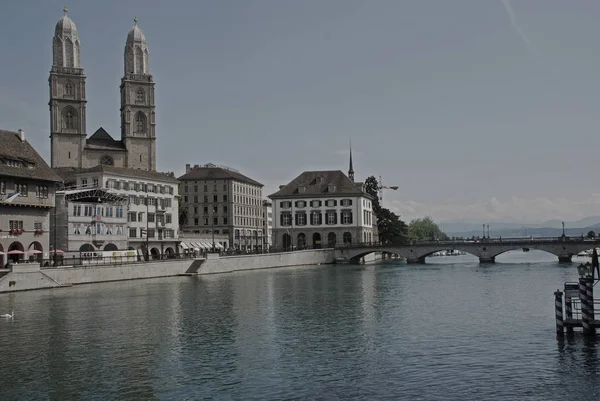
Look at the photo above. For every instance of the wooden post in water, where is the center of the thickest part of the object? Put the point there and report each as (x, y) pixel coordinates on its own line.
(589, 284)
(559, 313)
(569, 313)
(585, 318)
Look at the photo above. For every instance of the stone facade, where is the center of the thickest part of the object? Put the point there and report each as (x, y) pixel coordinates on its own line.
(24, 218)
(70, 146)
(224, 200)
(321, 208)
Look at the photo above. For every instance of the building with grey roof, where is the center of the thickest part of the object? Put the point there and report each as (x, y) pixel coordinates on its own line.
(27, 186)
(322, 208)
(222, 200)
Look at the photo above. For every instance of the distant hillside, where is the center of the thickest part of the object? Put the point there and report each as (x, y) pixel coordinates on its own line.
(548, 228)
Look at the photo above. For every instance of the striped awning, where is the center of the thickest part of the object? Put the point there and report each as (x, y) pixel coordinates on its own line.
(184, 245)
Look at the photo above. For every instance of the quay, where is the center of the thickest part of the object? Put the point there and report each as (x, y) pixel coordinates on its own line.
(34, 276)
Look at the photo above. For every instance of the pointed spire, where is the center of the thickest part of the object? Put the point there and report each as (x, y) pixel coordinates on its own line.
(351, 169)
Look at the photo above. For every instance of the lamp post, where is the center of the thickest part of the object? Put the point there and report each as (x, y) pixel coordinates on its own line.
(563, 226)
(213, 232)
(488, 228)
(483, 231)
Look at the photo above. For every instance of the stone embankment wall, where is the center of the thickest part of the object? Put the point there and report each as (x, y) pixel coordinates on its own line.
(30, 277)
(227, 264)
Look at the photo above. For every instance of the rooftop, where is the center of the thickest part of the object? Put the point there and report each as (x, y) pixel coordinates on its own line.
(19, 159)
(214, 172)
(317, 183)
(70, 173)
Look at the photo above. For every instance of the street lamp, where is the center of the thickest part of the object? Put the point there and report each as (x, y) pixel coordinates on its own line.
(563, 226)
(488, 227)
(483, 230)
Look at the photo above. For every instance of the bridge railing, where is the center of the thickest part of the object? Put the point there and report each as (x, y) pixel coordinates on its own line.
(496, 241)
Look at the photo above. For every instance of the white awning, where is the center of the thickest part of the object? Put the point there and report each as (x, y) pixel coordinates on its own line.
(200, 245)
(184, 245)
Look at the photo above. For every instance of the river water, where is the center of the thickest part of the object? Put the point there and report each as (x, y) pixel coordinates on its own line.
(448, 330)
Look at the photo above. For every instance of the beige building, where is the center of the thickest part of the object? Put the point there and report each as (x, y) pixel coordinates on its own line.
(267, 224)
(70, 146)
(130, 209)
(322, 208)
(27, 186)
(222, 200)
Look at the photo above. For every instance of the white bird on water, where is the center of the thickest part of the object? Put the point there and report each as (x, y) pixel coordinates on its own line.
(9, 315)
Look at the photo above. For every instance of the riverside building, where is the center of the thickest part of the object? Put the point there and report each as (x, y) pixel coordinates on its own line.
(320, 208)
(27, 186)
(223, 201)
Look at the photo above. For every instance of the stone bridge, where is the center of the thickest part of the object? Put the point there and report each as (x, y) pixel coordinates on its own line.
(486, 250)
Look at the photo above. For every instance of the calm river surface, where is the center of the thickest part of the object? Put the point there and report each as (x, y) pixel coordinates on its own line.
(448, 330)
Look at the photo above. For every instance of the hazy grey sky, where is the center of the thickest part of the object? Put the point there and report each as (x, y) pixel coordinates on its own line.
(476, 109)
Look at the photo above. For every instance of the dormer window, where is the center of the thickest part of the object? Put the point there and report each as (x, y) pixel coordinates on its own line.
(301, 189)
(331, 188)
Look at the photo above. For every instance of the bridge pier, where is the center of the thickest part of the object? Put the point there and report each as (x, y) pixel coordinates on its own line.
(416, 261)
(487, 259)
(565, 259)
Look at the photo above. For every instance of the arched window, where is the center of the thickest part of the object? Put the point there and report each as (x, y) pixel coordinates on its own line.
(331, 239)
(140, 122)
(69, 88)
(347, 238)
(301, 241)
(106, 160)
(70, 119)
(140, 96)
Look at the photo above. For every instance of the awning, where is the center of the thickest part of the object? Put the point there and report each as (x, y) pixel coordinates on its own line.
(184, 245)
(198, 245)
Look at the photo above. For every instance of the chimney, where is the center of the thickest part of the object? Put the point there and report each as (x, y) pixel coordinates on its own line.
(21, 135)
(187, 168)
(281, 187)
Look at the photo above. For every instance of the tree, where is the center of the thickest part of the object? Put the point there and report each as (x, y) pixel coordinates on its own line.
(372, 188)
(425, 229)
(183, 213)
(391, 228)
(591, 234)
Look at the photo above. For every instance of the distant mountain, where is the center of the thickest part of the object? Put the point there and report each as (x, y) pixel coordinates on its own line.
(548, 228)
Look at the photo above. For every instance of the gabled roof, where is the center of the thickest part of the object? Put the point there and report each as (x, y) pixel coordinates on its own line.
(102, 135)
(34, 166)
(213, 172)
(316, 184)
(101, 140)
(69, 174)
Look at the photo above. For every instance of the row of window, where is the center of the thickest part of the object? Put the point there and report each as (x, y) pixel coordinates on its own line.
(315, 203)
(247, 190)
(247, 201)
(41, 191)
(132, 186)
(152, 217)
(316, 239)
(248, 221)
(98, 228)
(248, 233)
(151, 233)
(214, 188)
(18, 225)
(215, 221)
(215, 209)
(316, 218)
(147, 201)
(215, 198)
(92, 210)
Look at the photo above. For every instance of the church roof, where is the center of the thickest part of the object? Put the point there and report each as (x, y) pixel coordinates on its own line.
(316, 183)
(101, 140)
(29, 162)
(65, 24)
(135, 34)
(214, 172)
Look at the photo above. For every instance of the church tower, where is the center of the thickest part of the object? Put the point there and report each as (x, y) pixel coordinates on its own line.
(67, 97)
(137, 103)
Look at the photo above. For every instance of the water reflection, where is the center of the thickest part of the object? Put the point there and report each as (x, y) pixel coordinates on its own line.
(386, 331)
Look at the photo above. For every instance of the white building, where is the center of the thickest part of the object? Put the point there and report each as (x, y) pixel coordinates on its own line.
(147, 219)
(267, 224)
(321, 208)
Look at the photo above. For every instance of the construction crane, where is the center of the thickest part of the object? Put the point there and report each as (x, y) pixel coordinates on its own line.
(381, 187)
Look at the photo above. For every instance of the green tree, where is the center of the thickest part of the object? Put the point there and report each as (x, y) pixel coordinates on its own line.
(372, 188)
(183, 213)
(425, 229)
(390, 227)
(591, 234)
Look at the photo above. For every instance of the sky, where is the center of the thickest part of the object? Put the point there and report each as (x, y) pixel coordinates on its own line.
(477, 110)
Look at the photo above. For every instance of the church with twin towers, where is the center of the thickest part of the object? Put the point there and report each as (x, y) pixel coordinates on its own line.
(70, 146)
